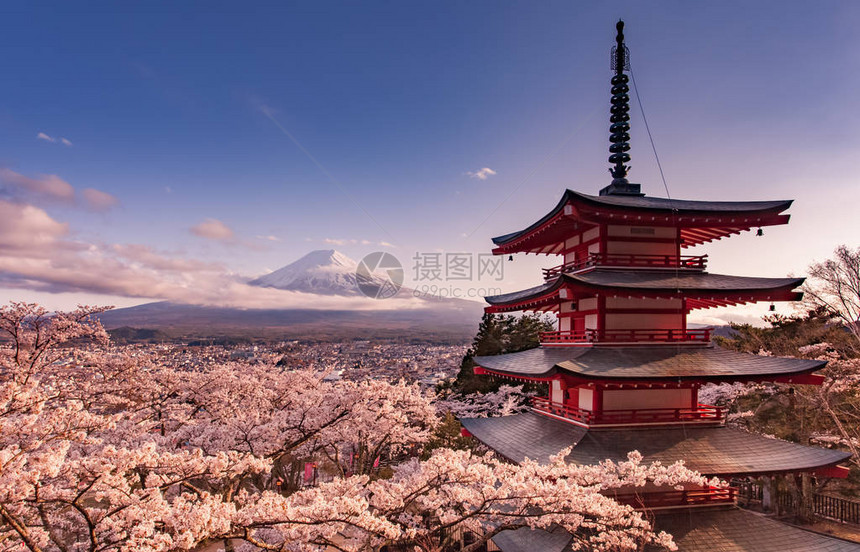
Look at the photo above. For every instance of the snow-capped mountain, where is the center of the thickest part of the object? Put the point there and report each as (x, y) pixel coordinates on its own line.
(324, 272)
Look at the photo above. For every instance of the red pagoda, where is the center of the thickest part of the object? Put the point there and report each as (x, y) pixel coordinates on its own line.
(624, 370)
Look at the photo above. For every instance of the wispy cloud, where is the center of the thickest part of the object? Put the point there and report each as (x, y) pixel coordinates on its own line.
(338, 241)
(212, 229)
(146, 257)
(482, 174)
(98, 200)
(39, 253)
(52, 187)
(47, 138)
(334, 241)
(48, 185)
(269, 238)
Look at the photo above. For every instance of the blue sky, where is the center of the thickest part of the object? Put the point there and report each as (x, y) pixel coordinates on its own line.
(183, 113)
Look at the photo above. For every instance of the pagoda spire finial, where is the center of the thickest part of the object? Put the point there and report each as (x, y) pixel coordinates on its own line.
(620, 119)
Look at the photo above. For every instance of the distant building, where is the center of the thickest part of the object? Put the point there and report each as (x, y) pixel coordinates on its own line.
(623, 369)
(334, 375)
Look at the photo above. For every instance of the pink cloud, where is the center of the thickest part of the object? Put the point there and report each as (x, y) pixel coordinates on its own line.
(52, 187)
(28, 230)
(36, 253)
(212, 229)
(48, 185)
(98, 200)
(482, 174)
(335, 241)
(145, 256)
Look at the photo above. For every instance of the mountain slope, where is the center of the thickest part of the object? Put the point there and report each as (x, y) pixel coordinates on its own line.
(325, 272)
(448, 323)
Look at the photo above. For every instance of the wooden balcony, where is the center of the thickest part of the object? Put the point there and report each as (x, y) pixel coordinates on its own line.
(589, 337)
(697, 262)
(703, 414)
(673, 499)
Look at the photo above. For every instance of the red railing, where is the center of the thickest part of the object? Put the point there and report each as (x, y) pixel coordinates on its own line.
(572, 266)
(698, 335)
(635, 261)
(686, 497)
(703, 413)
(543, 404)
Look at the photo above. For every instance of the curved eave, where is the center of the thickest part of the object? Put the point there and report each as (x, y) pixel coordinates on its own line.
(700, 221)
(733, 290)
(717, 451)
(702, 290)
(799, 377)
(807, 377)
(557, 210)
(661, 205)
(653, 364)
(710, 530)
(538, 378)
(697, 530)
(543, 297)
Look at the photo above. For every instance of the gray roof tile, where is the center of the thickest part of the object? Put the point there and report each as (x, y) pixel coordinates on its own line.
(667, 281)
(654, 204)
(533, 540)
(651, 362)
(675, 280)
(711, 530)
(712, 451)
(738, 530)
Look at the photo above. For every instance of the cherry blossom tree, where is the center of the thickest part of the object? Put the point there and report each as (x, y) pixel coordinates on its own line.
(64, 484)
(35, 335)
(102, 450)
(95, 442)
(506, 400)
(835, 285)
(427, 505)
(838, 398)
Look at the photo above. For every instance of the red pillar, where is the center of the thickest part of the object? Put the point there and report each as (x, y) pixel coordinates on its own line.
(604, 231)
(684, 314)
(601, 315)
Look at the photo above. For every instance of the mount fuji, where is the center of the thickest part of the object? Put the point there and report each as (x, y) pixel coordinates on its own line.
(324, 273)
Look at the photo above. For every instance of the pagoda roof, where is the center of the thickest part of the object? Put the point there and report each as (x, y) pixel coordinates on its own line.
(701, 530)
(743, 531)
(703, 288)
(636, 363)
(529, 540)
(683, 205)
(536, 292)
(707, 216)
(714, 451)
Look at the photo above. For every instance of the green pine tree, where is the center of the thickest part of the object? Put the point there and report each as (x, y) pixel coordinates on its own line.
(786, 334)
(499, 334)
